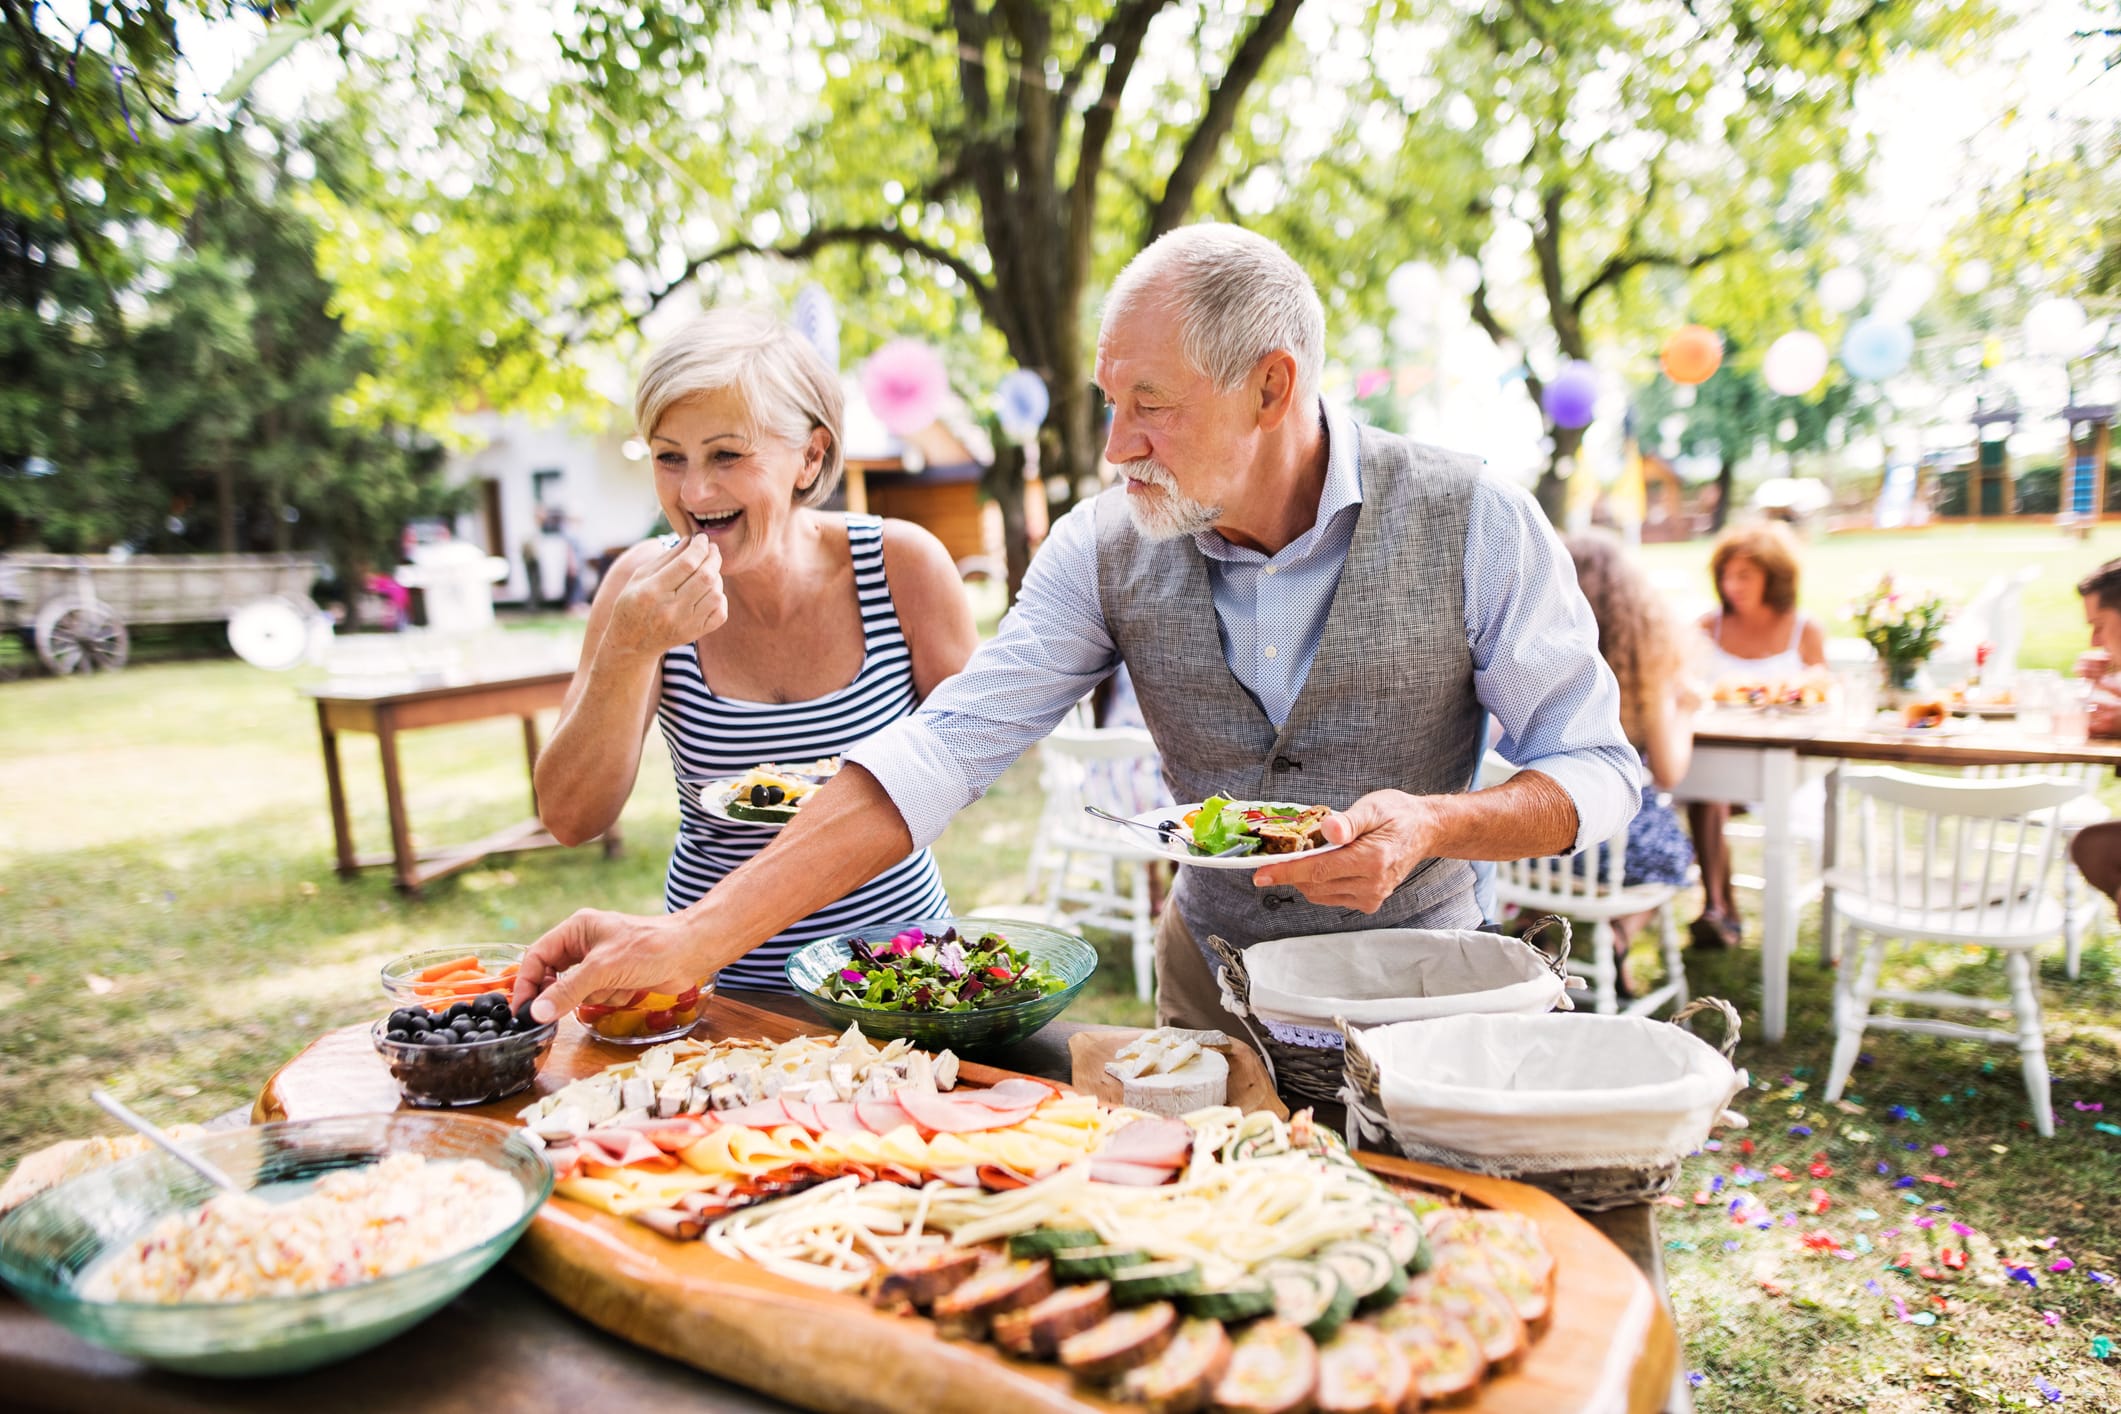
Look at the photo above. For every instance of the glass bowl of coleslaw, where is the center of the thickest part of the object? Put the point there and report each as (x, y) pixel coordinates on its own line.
(349, 1231)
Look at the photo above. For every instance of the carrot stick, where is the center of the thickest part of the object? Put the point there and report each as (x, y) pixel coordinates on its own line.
(445, 969)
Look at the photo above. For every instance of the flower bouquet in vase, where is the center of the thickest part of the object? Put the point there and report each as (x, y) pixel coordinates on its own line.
(1903, 626)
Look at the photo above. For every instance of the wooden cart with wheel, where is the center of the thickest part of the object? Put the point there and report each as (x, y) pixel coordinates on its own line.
(76, 611)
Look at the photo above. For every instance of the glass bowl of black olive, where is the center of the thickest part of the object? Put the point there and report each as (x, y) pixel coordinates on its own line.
(470, 1053)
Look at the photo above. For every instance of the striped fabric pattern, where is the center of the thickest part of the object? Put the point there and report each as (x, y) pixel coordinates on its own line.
(714, 737)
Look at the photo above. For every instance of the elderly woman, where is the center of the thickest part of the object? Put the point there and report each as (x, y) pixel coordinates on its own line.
(1756, 632)
(765, 629)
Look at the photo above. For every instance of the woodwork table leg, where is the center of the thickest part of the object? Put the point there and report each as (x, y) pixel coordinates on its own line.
(1829, 857)
(408, 864)
(335, 785)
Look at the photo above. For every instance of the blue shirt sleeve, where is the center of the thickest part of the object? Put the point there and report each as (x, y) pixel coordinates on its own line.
(1536, 666)
(1052, 648)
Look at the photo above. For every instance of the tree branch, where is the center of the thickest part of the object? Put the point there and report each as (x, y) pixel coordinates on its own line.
(1626, 262)
(1125, 32)
(1206, 139)
(1484, 315)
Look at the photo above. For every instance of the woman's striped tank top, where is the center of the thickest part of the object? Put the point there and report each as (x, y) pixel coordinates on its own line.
(712, 737)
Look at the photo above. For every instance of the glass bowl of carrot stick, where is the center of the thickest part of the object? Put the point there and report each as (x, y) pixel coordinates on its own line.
(441, 977)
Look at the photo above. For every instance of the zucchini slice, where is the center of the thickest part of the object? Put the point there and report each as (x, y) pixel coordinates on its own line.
(1154, 1281)
(764, 814)
(1241, 1300)
(1310, 1295)
(1045, 1241)
(1369, 1269)
(1094, 1263)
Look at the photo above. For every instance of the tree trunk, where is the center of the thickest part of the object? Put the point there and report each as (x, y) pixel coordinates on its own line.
(1726, 487)
(225, 499)
(1003, 483)
(1553, 491)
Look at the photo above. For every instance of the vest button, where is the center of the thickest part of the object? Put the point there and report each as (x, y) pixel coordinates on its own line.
(1283, 763)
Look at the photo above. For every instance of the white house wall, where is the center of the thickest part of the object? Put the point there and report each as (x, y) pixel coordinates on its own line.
(609, 501)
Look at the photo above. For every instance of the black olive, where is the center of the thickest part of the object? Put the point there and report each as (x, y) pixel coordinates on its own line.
(459, 1009)
(758, 795)
(523, 1017)
(400, 1036)
(1167, 826)
(495, 1002)
(437, 1038)
(775, 795)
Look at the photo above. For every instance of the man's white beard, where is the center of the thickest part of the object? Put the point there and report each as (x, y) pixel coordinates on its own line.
(1168, 514)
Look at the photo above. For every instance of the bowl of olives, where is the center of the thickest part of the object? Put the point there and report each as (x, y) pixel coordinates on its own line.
(471, 1053)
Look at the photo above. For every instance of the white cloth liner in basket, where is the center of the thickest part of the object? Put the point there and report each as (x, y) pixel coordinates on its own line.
(1301, 987)
(1508, 1095)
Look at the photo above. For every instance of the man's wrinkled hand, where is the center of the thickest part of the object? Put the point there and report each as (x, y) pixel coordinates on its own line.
(1383, 837)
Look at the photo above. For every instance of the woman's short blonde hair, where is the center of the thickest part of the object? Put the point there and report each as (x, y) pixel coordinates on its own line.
(785, 383)
(1767, 545)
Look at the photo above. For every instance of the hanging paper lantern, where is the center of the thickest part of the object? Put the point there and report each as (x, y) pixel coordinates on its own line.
(1841, 289)
(1021, 402)
(905, 383)
(1692, 354)
(1795, 363)
(1371, 382)
(1572, 395)
(2055, 328)
(1876, 348)
(818, 322)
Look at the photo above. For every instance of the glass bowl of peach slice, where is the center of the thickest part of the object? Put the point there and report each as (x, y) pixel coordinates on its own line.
(644, 1018)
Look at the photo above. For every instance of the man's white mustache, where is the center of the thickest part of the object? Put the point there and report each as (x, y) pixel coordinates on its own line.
(1151, 472)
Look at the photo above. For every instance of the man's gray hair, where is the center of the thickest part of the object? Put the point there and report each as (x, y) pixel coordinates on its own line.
(786, 384)
(1237, 297)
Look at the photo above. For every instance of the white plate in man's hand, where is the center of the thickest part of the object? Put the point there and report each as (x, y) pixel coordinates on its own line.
(1177, 845)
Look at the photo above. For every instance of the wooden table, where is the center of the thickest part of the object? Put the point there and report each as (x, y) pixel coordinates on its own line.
(1762, 758)
(387, 707)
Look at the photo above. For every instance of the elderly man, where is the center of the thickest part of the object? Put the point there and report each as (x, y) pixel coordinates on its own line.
(1310, 610)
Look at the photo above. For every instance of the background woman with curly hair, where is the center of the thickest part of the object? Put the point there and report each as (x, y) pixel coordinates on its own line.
(1641, 645)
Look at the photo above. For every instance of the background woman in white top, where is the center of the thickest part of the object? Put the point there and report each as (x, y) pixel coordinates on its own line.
(1756, 633)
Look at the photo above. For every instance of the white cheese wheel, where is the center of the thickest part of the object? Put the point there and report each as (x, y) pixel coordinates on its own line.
(1202, 1081)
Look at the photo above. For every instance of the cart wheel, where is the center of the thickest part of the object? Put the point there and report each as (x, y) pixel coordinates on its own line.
(74, 636)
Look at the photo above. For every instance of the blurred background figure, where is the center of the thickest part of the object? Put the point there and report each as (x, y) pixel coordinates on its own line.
(1755, 633)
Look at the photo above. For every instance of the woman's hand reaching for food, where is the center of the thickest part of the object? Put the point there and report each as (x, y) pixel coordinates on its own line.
(595, 952)
(675, 599)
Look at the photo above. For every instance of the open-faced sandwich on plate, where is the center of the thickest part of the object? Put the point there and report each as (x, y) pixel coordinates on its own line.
(767, 795)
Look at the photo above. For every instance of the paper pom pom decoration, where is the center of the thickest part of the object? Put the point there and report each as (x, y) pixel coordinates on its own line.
(1877, 348)
(905, 383)
(1795, 363)
(818, 322)
(1692, 354)
(1572, 395)
(1021, 402)
(1841, 289)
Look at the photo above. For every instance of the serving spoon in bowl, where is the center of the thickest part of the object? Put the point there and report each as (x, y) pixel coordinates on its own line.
(145, 1128)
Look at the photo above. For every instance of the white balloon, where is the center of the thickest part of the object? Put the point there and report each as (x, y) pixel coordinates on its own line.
(1841, 289)
(2055, 328)
(1795, 363)
(1972, 277)
(1407, 286)
(1910, 289)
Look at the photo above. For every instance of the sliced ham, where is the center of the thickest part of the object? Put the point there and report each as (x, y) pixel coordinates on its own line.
(839, 1117)
(881, 1116)
(805, 1114)
(1165, 1142)
(616, 1148)
(672, 1223)
(955, 1114)
(1132, 1174)
(760, 1114)
(668, 1135)
(1012, 1094)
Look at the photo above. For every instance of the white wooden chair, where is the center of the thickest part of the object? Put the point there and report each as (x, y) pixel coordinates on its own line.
(1597, 896)
(1077, 862)
(1940, 859)
(2080, 907)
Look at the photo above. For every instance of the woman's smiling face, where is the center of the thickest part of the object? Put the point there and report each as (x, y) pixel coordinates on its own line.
(718, 471)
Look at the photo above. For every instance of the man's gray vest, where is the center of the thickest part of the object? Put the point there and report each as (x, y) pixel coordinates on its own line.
(1388, 703)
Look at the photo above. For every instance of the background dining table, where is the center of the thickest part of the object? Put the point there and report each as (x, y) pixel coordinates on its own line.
(1760, 757)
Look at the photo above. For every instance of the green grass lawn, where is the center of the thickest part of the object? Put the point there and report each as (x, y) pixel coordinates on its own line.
(170, 927)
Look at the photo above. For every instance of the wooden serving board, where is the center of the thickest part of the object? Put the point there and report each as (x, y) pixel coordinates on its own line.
(1608, 1346)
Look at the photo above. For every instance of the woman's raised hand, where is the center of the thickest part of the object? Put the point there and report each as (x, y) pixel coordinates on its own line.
(676, 599)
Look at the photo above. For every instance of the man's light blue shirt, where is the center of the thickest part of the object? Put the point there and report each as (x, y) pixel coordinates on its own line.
(1536, 667)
